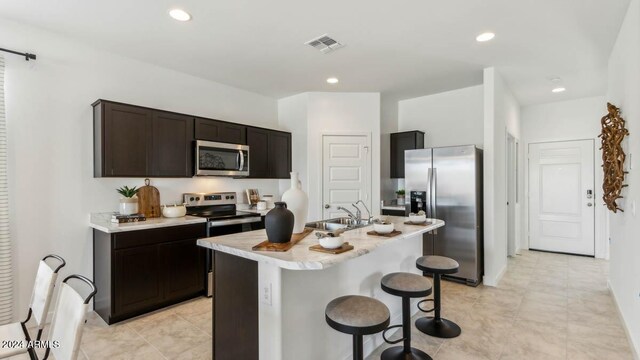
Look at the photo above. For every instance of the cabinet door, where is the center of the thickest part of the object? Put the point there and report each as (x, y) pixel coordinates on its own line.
(183, 262)
(172, 139)
(399, 143)
(220, 131)
(137, 279)
(258, 141)
(126, 144)
(279, 155)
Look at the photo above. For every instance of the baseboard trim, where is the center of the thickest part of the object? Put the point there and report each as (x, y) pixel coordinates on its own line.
(635, 349)
(496, 281)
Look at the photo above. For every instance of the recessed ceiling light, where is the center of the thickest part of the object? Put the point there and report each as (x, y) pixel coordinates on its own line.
(558, 90)
(332, 80)
(179, 15)
(485, 37)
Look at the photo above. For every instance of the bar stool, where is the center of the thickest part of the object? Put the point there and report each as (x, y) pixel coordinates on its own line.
(357, 315)
(437, 326)
(407, 286)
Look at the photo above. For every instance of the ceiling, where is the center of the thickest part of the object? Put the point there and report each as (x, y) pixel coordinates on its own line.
(400, 48)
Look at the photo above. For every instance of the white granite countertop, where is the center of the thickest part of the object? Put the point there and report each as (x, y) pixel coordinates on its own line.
(102, 222)
(394, 207)
(300, 257)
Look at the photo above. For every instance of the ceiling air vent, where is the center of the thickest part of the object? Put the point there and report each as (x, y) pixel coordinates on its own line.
(324, 43)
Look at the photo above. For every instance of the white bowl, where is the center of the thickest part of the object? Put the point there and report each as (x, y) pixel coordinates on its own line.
(417, 219)
(331, 242)
(174, 211)
(383, 228)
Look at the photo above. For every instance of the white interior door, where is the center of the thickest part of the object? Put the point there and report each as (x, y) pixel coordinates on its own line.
(346, 172)
(561, 203)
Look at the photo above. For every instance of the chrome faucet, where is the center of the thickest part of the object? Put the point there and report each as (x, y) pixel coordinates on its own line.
(369, 217)
(356, 219)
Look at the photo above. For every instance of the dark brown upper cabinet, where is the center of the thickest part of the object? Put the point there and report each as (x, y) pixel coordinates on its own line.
(134, 141)
(408, 140)
(172, 143)
(121, 144)
(279, 155)
(220, 131)
(269, 153)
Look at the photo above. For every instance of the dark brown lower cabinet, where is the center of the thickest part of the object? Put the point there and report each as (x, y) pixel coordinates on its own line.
(235, 308)
(140, 271)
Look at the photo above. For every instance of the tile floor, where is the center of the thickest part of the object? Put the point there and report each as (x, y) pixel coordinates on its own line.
(547, 306)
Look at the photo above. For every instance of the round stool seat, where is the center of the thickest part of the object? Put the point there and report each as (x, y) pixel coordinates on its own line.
(437, 264)
(357, 315)
(406, 284)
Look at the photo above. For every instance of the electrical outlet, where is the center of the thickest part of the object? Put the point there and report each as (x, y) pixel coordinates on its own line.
(266, 294)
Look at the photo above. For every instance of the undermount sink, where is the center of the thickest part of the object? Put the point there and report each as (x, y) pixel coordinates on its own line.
(345, 223)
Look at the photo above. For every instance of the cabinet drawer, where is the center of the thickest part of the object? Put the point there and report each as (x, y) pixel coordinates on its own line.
(156, 236)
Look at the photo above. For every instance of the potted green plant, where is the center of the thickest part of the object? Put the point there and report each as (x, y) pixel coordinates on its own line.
(129, 201)
(400, 197)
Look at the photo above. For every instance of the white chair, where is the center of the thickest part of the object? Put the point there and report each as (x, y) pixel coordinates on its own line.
(67, 325)
(38, 307)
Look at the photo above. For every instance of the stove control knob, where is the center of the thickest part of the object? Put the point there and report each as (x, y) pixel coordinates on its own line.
(198, 198)
(227, 197)
(191, 199)
(231, 197)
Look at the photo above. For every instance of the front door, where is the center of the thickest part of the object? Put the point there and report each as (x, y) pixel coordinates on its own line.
(561, 207)
(346, 173)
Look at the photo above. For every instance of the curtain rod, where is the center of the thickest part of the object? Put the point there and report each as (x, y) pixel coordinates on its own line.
(27, 56)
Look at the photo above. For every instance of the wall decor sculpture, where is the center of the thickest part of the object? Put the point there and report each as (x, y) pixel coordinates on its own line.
(613, 156)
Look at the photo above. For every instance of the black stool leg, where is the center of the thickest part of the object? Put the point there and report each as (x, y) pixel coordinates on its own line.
(437, 326)
(357, 347)
(405, 352)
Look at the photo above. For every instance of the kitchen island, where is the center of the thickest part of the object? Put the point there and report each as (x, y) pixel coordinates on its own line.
(270, 305)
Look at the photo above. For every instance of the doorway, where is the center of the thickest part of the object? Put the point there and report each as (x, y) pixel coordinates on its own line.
(346, 173)
(512, 194)
(561, 203)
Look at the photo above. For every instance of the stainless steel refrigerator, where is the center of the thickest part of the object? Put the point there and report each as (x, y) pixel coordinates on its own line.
(446, 183)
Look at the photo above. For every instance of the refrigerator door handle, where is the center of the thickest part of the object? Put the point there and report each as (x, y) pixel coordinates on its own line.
(434, 192)
(427, 206)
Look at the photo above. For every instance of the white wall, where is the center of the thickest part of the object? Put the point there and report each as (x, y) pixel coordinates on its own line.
(449, 118)
(562, 121)
(624, 92)
(388, 125)
(292, 116)
(501, 112)
(48, 105)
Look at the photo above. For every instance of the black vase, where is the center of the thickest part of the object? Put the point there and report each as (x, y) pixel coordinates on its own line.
(279, 223)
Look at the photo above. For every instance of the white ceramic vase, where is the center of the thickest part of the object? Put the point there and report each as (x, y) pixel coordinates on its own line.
(297, 202)
(128, 206)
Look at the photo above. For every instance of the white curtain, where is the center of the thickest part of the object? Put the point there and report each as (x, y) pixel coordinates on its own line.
(6, 282)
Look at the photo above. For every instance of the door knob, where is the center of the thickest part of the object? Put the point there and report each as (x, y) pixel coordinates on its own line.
(326, 206)
(589, 204)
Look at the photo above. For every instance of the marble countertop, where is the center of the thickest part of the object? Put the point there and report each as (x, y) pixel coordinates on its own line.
(102, 222)
(301, 258)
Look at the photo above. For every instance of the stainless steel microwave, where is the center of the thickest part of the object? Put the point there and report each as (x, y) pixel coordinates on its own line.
(220, 159)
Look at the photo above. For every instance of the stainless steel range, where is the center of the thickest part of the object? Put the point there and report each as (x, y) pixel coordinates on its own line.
(222, 219)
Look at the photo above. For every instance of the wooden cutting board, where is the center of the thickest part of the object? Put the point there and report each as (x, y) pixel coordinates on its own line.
(345, 247)
(389, 235)
(281, 247)
(149, 200)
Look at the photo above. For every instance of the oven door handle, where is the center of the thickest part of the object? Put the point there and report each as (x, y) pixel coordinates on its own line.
(247, 220)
